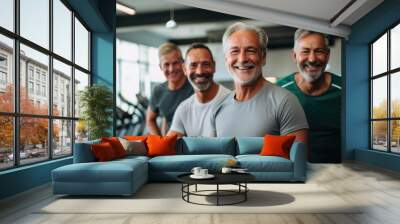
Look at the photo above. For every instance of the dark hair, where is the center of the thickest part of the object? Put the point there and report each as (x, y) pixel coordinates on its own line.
(199, 46)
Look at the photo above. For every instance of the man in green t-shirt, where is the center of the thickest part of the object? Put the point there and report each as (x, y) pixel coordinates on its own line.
(319, 92)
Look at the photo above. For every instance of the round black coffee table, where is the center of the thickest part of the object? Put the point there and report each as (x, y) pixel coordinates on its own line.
(238, 179)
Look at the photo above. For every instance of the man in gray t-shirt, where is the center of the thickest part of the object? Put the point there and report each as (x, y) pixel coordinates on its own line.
(273, 110)
(256, 107)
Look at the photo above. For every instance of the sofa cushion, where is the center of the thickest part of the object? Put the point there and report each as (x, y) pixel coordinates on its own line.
(257, 163)
(97, 172)
(185, 163)
(103, 152)
(116, 145)
(136, 147)
(249, 145)
(161, 145)
(83, 152)
(205, 145)
(277, 145)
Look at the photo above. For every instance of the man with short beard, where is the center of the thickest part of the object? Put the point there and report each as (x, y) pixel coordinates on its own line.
(319, 92)
(256, 107)
(192, 117)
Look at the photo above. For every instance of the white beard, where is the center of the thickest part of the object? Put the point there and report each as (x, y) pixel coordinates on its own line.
(308, 77)
(249, 82)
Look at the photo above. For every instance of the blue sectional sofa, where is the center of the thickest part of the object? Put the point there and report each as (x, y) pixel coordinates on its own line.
(125, 176)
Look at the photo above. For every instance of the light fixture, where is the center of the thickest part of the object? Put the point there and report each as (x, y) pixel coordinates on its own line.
(171, 23)
(125, 9)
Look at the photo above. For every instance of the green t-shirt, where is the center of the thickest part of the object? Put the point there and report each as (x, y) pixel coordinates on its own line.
(323, 116)
(165, 101)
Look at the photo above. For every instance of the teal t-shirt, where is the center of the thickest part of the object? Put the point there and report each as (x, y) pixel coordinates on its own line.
(323, 116)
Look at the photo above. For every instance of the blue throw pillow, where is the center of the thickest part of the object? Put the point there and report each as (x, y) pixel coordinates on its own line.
(205, 145)
(249, 145)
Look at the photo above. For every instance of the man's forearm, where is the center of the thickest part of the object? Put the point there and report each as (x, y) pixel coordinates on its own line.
(153, 128)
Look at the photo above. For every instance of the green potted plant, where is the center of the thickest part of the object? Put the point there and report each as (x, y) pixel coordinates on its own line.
(96, 104)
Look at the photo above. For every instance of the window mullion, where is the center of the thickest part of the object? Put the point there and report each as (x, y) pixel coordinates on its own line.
(389, 106)
(50, 81)
(16, 84)
(73, 82)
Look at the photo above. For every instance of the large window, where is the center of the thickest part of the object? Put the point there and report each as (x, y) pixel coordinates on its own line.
(385, 91)
(137, 71)
(44, 64)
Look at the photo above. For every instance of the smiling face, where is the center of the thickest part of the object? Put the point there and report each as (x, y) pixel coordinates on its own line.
(199, 69)
(244, 57)
(171, 65)
(311, 56)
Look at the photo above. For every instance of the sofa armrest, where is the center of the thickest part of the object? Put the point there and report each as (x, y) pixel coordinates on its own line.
(299, 159)
(83, 152)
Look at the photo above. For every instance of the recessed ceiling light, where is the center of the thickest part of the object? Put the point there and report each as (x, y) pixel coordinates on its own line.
(125, 9)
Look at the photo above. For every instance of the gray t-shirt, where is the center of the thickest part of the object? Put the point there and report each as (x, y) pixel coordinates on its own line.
(165, 101)
(273, 110)
(192, 118)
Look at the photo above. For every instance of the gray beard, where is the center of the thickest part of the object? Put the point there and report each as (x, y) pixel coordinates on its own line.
(201, 87)
(308, 77)
(247, 82)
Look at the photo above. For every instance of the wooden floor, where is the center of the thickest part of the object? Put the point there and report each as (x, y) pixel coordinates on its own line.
(354, 182)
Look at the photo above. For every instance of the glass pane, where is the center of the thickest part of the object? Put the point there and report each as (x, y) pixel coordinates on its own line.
(62, 89)
(35, 21)
(81, 81)
(395, 94)
(7, 14)
(143, 53)
(379, 55)
(62, 138)
(6, 74)
(34, 97)
(379, 98)
(128, 51)
(81, 45)
(379, 135)
(6, 142)
(33, 139)
(395, 138)
(81, 131)
(395, 47)
(153, 56)
(62, 29)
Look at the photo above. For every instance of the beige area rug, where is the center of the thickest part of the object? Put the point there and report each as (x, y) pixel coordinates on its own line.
(166, 198)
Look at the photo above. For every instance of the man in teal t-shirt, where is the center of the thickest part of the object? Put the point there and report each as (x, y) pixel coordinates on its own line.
(319, 92)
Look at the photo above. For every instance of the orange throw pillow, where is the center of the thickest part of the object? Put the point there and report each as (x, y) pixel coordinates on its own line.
(103, 152)
(277, 145)
(116, 145)
(136, 138)
(161, 145)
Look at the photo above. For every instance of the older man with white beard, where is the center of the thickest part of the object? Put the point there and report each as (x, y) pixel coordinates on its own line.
(256, 107)
(319, 92)
(192, 117)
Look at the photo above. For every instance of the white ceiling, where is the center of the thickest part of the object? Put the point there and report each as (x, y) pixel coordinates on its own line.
(145, 6)
(308, 14)
(321, 9)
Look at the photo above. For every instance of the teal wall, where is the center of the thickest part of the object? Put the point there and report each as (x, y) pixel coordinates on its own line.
(356, 142)
(99, 15)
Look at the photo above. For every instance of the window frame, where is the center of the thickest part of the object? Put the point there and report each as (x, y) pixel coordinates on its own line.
(388, 74)
(16, 115)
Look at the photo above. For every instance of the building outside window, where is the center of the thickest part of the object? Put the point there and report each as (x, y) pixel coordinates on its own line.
(385, 91)
(56, 130)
